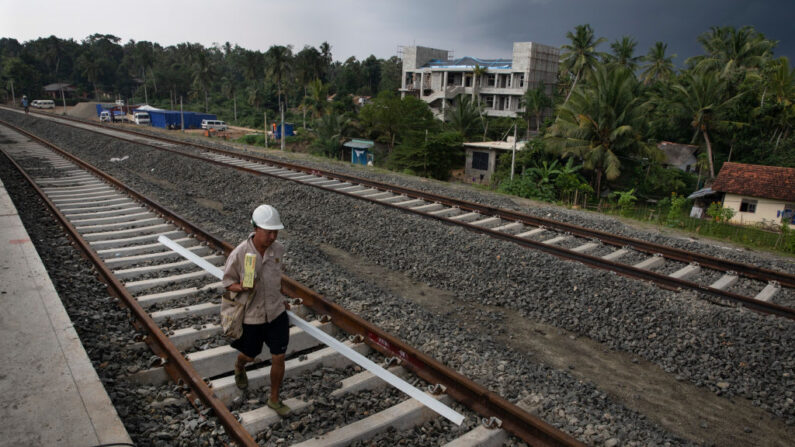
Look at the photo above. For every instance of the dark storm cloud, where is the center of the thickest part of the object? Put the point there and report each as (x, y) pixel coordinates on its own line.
(675, 22)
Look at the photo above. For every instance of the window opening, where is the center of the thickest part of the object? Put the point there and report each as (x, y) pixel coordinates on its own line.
(480, 161)
(748, 206)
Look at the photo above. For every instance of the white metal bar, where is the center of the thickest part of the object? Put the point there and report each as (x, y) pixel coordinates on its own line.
(192, 257)
(397, 382)
(385, 375)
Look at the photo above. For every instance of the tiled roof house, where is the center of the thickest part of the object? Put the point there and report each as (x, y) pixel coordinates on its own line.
(757, 193)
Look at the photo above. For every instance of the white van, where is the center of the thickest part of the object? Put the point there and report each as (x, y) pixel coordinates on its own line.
(214, 124)
(141, 118)
(104, 116)
(43, 103)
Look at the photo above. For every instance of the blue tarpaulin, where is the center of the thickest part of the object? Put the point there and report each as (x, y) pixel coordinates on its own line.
(172, 119)
(277, 130)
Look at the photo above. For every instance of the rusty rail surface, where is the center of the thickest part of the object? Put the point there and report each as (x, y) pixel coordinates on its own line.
(178, 368)
(664, 281)
(746, 270)
(486, 403)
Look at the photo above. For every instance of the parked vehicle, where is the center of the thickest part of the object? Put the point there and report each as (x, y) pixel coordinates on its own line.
(43, 103)
(141, 118)
(105, 117)
(214, 124)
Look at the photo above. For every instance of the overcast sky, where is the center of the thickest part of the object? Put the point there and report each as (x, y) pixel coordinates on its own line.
(484, 28)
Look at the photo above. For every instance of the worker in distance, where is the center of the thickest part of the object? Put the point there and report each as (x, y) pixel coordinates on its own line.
(253, 271)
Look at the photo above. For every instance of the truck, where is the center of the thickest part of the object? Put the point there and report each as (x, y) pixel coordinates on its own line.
(140, 118)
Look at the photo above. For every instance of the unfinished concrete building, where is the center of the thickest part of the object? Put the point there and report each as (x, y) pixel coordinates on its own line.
(430, 74)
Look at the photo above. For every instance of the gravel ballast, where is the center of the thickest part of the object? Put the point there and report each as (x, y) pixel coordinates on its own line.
(704, 344)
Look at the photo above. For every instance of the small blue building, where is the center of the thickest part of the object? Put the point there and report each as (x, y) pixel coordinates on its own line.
(361, 153)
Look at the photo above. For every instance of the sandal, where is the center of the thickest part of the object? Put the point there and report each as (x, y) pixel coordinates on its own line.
(279, 407)
(241, 379)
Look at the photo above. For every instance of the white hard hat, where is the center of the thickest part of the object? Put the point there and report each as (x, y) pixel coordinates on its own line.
(267, 218)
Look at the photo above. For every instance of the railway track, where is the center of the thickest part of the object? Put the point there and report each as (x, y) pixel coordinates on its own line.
(176, 305)
(668, 267)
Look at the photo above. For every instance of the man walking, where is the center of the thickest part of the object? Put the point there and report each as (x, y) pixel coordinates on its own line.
(265, 319)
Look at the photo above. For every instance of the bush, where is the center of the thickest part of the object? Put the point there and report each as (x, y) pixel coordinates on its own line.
(675, 212)
(626, 201)
(719, 213)
(527, 186)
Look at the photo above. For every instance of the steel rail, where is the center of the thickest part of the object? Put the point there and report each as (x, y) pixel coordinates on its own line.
(176, 365)
(486, 403)
(651, 248)
(661, 280)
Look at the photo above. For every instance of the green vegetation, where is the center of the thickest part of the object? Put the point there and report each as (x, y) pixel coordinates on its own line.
(736, 101)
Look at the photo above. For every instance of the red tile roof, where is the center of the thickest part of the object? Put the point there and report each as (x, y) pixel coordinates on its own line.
(768, 182)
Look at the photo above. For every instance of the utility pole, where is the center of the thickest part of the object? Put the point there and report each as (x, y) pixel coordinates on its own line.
(282, 110)
(513, 155)
(13, 96)
(266, 129)
(63, 99)
(181, 114)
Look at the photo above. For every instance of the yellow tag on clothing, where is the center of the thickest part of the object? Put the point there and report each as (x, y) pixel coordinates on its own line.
(249, 268)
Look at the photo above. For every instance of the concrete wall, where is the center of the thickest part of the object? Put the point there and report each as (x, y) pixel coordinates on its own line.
(767, 210)
(414, 57)
(475, 174)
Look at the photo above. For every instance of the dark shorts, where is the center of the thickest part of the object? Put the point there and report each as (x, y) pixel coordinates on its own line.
(275, 334)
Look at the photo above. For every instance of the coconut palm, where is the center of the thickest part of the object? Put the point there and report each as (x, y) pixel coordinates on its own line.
(623, 53)
(279, 65)
(203, 74)
(228, 90)
(90, 69)
(780, 83)
(580, 57)
(733, 51)
(464, 117)
(255, 96)
(602, 121)
(703, 96)
(658, 66)
(317, 99)
(330, 129)
(535, 102)
(477, 73)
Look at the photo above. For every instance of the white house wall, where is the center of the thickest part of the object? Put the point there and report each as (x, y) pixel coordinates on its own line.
(767, 210)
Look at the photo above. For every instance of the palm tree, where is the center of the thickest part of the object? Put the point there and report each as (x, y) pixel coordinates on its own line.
(464, 117)
(658, 66)
(602, 121)
(477, 73)
(252, 65)
(623, 53)
(330, 129)
(317, 99)
(255, 97)
(228, 89)
(703, 96)
(535, 102)
(203, 76)
(733, 51)
(780, 82)
(279, 64)
(580, 57)
(90, 69)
